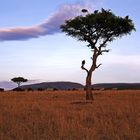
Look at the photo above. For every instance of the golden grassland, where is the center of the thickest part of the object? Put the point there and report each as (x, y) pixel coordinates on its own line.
(65, 115)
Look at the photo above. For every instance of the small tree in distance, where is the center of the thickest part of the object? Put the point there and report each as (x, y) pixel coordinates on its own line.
(19, 80)
(97, 29)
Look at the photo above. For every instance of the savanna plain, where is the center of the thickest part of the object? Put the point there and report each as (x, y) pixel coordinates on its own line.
(66, 115)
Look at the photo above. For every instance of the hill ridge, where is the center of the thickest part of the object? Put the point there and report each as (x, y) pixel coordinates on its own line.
(61, 85)
(65, 85)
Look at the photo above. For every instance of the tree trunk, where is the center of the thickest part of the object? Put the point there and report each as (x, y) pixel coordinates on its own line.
(18, 84)
(89, 95)
(88, 88)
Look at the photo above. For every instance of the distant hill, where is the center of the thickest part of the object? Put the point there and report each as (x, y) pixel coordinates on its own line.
(72, 85)
(7, 85)
(120, 86)
(56, 85)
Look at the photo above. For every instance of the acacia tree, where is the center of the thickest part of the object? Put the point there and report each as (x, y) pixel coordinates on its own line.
(19, 80)
(97, 29)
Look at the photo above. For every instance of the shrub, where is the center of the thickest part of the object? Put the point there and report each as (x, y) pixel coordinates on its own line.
(18, 89)
(1, 89)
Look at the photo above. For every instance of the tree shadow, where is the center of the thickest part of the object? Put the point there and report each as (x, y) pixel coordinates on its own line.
(81, 102)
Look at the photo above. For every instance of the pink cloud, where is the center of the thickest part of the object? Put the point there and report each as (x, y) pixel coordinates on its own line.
(50, 26)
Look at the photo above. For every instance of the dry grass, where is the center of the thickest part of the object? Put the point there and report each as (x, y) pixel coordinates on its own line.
(65, 115)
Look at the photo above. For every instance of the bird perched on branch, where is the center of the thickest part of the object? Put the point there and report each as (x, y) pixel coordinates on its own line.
(83, 62)
(127, 17)
(84, 10)
(96, 11)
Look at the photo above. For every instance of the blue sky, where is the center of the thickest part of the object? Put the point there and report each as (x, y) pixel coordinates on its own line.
(32, 46)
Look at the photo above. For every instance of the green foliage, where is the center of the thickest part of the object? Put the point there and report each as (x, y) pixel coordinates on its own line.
(19, 80)
(99, 27)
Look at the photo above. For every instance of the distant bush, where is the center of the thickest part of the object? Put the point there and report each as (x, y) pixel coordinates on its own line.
(40, 89)
(55, 89)
(74, 89)
(18, 89)
(29, 89)
(1, 89)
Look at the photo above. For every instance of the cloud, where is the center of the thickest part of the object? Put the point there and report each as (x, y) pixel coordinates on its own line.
(20, 33)
(50, 26)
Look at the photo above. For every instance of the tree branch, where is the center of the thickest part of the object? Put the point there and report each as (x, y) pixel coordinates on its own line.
(98, 66)
(98, 34)
(105, 50)
(102, 51)
(92, 44)
(104, 42)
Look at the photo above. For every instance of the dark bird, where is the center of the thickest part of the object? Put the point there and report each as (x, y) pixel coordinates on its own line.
(84, 10)
(96, 11)
(103, 10)
(83, 62)
(127, 17)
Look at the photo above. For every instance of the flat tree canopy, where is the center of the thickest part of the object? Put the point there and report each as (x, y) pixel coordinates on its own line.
(19, 80)
(102, 26)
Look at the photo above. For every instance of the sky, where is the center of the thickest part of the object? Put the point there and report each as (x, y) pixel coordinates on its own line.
(32, 45)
